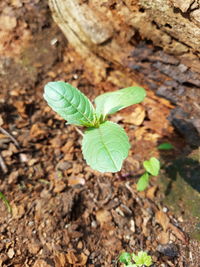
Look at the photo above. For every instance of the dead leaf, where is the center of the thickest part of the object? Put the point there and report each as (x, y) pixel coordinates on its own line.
(7, 23)
(113, 242)
(136, 117)
(20, 106)
(163, 237)
(17, 211)
(151, 192)
(103, 216)
(41, 263)
(1, 121)
(139, 133)
(82, 260)
(6, 153)
(3, 258)
(145, 228)
(13, 148)
(162, 219)
(71, 258)
(33, 247)
(12, 178)
(59, 186)
(72, 181)
(17, 3)
(60, 259)
(37, 131)
(31, 162)
(68, 147)
(153, 137)
(178, 233)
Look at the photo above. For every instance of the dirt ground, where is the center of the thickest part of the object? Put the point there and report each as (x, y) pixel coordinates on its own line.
(63, 212)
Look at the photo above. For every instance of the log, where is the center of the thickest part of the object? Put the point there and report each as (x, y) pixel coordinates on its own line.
(107, 28)
(159, 40)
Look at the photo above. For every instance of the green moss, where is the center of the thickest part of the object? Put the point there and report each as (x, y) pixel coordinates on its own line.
(181, 186)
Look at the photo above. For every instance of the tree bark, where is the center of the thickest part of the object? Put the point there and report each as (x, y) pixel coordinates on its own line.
(109, 28)
(113, 31)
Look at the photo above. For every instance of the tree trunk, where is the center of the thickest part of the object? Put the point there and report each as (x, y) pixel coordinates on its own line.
(115, 31)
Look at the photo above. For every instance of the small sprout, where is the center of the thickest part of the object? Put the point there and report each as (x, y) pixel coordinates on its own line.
(105, 144)
(125, 258)
(132, 260)
(165, 146)
(152, 167)
(142, 259)
(143, 182)
(6, 202)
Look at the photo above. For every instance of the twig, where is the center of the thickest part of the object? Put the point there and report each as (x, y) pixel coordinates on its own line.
(10, 136)
(3, 165)
(79, 131)
(196, 105)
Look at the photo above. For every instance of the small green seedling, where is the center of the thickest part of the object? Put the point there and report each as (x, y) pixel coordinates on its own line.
(152, 167)
(131, 260)
(6, 202)
(105, 144)
(165, 146)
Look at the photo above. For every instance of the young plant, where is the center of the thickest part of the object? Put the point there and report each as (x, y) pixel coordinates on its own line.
(105, 144)
(152, 167)
(6, 202)
(131, 260)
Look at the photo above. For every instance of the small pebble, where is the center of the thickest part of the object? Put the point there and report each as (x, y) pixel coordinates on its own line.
(165, 209)
(54, 41)
(94, 224)
(169, 250)
(11, 253)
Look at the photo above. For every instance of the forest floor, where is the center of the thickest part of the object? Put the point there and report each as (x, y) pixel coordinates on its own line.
(63, 212)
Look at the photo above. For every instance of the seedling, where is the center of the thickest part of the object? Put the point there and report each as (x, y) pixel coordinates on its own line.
(105, 144)
(131, 260)
(152, 167)
(6, 202)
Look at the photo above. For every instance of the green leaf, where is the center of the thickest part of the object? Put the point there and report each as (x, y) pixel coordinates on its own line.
(69, 103)
(112, 102)
(143, 182)
(6, 202)
(142, 259)
(125, 258)
(106, 147)
(152, 166)
(165, 146)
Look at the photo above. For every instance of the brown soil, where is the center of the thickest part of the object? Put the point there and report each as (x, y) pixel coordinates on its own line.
(63, 212)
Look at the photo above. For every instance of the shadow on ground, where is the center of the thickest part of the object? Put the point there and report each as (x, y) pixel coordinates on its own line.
(181, 187)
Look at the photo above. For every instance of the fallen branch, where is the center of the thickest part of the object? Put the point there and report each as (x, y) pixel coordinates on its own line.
(10, 136)
(3, 165)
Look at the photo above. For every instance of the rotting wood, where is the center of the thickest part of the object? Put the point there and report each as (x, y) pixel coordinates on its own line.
(108, 28)
(105, 32)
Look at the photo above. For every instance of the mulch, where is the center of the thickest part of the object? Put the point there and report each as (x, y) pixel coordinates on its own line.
(63, 212)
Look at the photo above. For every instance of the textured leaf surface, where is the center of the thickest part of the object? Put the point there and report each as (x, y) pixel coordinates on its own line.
(152, 166)
(112, 102)
(143, 182)
(125, 258)
(142, 259)
(106, 147)
(69, 103)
